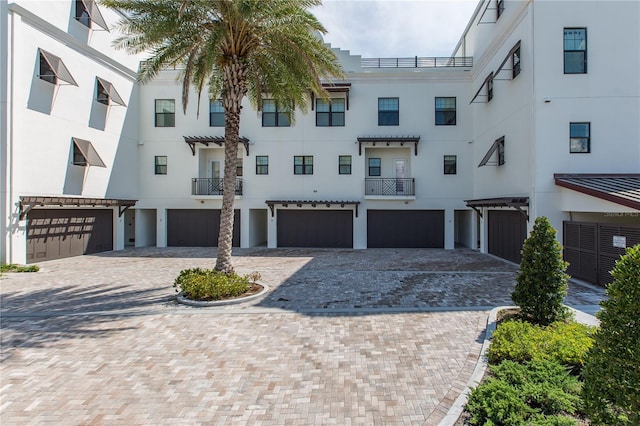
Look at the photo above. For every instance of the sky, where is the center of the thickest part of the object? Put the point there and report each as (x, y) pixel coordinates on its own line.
(395, 28)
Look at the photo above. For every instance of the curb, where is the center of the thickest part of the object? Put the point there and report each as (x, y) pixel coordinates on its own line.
(203, 304)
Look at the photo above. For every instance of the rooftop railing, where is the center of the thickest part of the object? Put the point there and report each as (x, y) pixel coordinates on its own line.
(417, 62)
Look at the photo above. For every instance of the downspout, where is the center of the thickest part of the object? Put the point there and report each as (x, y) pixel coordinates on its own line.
(533, 207)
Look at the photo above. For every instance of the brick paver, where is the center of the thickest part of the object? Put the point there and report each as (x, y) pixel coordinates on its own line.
(343, 337)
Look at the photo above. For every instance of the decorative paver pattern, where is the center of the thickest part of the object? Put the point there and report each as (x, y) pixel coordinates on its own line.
(344, 337)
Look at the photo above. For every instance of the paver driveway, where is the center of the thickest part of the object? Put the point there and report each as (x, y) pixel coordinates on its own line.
(343, 337)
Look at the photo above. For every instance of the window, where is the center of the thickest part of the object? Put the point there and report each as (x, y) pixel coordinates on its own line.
(274, 115)
(575, 50)
(490, 89)
(450, 164)
(84, 154)
(303, 165)
(161, 164)
(374, 166)
(262, 164)
(107, 94)
(580, 138)
(87, 13)
(52, 69)
(388, 111)
(165, 112)
(445, 111)
(500, 151)
(344, 164)
(239, 167)
(216, 113)
(515, 59)
(499, 8)
(329, 112)
(496, 148)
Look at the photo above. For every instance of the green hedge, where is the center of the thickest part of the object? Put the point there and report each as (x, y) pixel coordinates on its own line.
(562, 342)
(541, 393)
(209, 284)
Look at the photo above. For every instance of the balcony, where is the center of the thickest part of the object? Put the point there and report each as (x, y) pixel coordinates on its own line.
(212, 186)
(393, 188)
(418, 62)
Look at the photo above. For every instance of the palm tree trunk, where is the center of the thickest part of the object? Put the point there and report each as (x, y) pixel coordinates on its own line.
(235, 89)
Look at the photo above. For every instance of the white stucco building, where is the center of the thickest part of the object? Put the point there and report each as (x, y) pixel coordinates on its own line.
(534, 114)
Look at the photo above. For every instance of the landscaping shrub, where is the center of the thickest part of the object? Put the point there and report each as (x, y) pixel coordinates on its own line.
(612, 368)
(209, 284)
(10, 267)
(566, 343)
(541, 282)
(534, 393)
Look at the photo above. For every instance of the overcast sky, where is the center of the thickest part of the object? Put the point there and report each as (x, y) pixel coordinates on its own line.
(395, 28)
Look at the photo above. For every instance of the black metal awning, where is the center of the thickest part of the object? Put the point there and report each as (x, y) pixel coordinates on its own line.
(89, 153)
(29, 202)
(513, 202)
(57, 67)
(388, 140)
(504, 62)
(485, 98)
(312, 203)
(340, 87)
(619, 188)
(206, 140)
(496, 146)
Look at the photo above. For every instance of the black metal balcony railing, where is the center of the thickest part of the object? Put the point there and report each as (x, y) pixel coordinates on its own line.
(390, 186)
(212, 186)
(417, 62)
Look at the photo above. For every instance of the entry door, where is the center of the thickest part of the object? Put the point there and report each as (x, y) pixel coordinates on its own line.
(216, 173)
(401, 174)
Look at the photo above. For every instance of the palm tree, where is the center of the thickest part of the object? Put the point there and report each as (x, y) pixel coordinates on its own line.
(238, 48)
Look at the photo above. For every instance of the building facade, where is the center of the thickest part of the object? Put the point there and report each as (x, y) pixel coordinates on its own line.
(534, 114)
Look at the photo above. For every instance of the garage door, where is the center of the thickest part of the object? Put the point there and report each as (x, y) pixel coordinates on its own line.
(59, 233)
(198, 228)
(315, 228)
(405, 228)
(507, 232)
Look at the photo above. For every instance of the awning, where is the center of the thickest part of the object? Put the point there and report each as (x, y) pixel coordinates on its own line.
(504, 62)
(29, 202)
(94, 13)
(334, 88)
(513, 202)
(56, 67)
(486, 96)
(498, 145)
(206, 140)
(91, 157)
(623, 189)
(111, 91)
(387, 140)
(312, 203)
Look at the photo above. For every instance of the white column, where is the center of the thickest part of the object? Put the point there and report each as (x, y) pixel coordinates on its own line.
(449, 229)
(161, 228)
(245, 228)
(272, 229)
(18, 243)
(360, 229)
(484, 228)
(473, 226)
(118, 230)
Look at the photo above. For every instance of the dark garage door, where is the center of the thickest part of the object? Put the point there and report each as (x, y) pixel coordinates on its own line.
(198, 228)
(405, 228)
(315, 228)
(58, 233)
(507, 232)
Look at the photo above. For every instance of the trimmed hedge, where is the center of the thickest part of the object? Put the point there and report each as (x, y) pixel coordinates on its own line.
(562, 342)
(209, 284)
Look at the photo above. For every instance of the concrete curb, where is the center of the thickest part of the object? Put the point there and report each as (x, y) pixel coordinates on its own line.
(457, 408)
(203, 304)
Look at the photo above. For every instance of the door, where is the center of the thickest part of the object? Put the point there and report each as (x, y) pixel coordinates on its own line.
(315, 228)
(198, 227)
(405, 228)
(216, 177)
(507, 232)
(401, 174)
